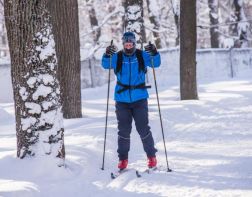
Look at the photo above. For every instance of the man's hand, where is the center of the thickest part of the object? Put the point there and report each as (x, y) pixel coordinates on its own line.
(111, 50)
(151, 49)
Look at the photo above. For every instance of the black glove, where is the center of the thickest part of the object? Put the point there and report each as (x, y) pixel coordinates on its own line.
(151, 49)
(110, 50)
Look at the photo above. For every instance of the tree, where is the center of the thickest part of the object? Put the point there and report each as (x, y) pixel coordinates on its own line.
(66, 31)
(38, 108)
(93, 21)
(188, 41)
(242, 25)
(175, 8)
(214, 21)
(133, 20)
(154, 19)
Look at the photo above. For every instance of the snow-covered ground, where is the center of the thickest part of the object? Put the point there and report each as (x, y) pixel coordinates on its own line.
(209, 144)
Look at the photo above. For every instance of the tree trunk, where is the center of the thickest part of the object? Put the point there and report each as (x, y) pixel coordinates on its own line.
(176, 19)
(175, 8)
(214, 20)
(240, 28)
(66, 31)
(133, 20)
(188, 41)
(93, 21)
(36, 89)
(154, 19)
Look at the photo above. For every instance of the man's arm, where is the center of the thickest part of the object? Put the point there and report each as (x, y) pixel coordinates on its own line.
(148, 59)
(106, 61)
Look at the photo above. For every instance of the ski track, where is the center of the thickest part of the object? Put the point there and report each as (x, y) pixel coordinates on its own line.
(209, 143)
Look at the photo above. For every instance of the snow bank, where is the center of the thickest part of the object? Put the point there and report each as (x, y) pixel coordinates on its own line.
(6, 94)
(5, 116)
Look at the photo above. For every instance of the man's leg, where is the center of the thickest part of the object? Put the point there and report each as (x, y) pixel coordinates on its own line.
(140, 115)
(124, 118)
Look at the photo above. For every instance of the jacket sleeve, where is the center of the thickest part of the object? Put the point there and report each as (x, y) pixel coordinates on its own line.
(106, 61)
(148, 59)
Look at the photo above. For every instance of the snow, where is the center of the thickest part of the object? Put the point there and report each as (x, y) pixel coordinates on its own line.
(46, 105)
(23, 93)
(240, 2)
(47, 79)
(31, 81)
(176, 6)
(48, 49)
(133, 12)
(208, 141)
(34, 108)
(214, 15)
(27, 122)
(42, 90)
(5, 116)
(154, 9)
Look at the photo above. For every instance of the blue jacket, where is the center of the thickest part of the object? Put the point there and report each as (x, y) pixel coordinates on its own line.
(130, 75)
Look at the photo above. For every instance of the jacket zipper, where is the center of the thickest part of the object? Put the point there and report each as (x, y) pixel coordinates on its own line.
(130, 79)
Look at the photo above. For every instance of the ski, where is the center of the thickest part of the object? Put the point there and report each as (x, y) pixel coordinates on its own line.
(116, 174)
(139, 174)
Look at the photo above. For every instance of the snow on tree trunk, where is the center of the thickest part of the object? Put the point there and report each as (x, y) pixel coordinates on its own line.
(188, 42)
(241, 28)
(133, 19)
(154, 19)
(38, 109)
(214, 21)
(66, 31)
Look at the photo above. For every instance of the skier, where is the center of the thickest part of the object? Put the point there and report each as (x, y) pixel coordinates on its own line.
(131, 94)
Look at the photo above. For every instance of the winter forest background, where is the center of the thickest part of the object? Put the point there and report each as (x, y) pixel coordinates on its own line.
(101, 20)
(53, 94)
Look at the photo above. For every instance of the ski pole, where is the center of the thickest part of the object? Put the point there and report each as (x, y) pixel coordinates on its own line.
(161, 123)
(106, 122)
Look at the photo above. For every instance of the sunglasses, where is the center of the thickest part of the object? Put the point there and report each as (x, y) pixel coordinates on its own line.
(128, 39)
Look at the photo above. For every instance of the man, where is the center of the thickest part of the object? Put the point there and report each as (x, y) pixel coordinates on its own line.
(130, 66)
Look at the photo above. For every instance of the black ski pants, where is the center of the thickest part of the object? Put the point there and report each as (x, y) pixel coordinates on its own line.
(125, 113)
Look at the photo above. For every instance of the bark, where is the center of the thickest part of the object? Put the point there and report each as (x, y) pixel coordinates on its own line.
(188, 41)
(35, 86)
(133, 19)
(66, 31)
(155, 21)
(214, 20)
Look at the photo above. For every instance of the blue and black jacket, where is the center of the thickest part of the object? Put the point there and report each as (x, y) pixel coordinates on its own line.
(130, 75)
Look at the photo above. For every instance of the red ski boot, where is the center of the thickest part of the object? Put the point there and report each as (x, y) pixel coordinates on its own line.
(152, 162)
(123, 164)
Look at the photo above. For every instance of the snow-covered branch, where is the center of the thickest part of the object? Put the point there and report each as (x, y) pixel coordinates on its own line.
(223, 24)
(163, 30)
(105, 20)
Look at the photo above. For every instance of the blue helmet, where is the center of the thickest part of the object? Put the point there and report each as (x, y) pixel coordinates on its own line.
(129, 37)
